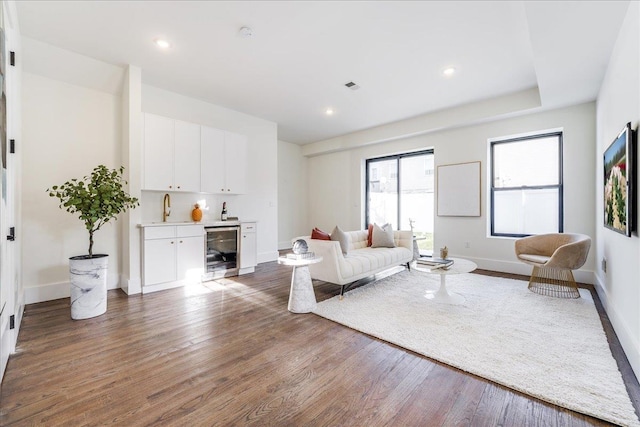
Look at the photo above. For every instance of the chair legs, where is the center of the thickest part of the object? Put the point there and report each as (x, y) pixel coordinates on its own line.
(553, 282)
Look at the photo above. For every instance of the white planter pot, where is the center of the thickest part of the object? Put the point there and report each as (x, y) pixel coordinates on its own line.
(88, 286)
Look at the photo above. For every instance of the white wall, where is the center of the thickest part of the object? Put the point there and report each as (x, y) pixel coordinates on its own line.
(260, 204)
(67, 131)
(292, 194)
(619, 103)
(336, 195)
(74, 118)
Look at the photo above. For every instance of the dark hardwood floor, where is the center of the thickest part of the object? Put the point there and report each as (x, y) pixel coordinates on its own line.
(231, 354)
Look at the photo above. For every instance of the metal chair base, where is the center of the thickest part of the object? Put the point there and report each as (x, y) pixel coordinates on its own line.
(553, 282)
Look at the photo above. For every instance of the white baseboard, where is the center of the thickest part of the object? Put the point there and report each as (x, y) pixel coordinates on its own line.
(284, 245)
(131, 286)
(267, 256)
(628, 341)
(162, 286)
(516, 267)
(51, 291)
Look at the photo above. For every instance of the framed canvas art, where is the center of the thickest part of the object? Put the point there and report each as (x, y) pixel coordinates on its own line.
(618, 183)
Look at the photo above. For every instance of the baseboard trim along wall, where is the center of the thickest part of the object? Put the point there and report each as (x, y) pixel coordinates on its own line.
(51, 291)
(267, 256)
(515, 267)
(629, 341)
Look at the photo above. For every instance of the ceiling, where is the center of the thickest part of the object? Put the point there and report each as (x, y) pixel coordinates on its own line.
(301, 54)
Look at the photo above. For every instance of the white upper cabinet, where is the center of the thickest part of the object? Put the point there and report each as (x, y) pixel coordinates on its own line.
(212, 160)
(158, 152)
(181, 156)
(235, 150)
(171, 154)
(223, 162)
(187, 157)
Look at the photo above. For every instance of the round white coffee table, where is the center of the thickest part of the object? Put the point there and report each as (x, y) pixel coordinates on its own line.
(442, 295)
(302, 299)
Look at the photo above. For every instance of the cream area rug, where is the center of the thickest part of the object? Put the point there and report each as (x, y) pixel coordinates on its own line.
(550, 348)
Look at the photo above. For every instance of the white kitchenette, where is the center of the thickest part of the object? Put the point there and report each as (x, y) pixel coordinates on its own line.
(185, 164)
(177, 254)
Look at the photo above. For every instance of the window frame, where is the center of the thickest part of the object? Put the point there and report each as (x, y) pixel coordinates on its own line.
(493, 189)
(397, 158)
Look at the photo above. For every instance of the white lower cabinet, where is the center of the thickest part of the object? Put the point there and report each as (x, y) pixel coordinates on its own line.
(172, 256)
(248, 247)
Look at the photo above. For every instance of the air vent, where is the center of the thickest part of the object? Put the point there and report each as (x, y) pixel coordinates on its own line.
(352, 86)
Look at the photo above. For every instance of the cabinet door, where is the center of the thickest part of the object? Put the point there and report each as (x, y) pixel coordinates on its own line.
(158, 153)
(159, 261)
(248, 246)
(190, 258)
(212, 160)
(236, 158)
(187, 157)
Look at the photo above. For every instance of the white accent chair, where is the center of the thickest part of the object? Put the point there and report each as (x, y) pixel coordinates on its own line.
(553, 257)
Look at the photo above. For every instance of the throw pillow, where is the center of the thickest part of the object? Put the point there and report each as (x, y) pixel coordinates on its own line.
(370, 236)
(382, 236)
(341, 236)
(316, 233)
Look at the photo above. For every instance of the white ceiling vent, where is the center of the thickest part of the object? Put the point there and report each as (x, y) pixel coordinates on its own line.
(352, 86)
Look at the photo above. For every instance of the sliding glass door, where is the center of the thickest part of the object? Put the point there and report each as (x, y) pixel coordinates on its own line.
(399, 191)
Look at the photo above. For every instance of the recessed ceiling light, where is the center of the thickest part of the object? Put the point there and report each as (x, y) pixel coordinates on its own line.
(449, 71)
(162, 43)
(329, 111)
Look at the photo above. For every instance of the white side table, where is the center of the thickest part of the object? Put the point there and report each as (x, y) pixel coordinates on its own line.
(302, 299)
(442, 295)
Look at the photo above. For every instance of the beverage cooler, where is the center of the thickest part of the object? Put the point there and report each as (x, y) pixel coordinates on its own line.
(222, 256)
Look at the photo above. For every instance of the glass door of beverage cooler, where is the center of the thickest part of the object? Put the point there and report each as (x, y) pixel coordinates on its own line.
(221, 252)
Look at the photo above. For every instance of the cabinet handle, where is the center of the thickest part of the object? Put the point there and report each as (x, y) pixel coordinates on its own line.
(222, 189)
(178, 186)
(170, 186)
(172, 242)
(180, 241)
(228, 189)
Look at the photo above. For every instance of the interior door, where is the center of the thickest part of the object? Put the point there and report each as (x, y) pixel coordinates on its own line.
(11, 300)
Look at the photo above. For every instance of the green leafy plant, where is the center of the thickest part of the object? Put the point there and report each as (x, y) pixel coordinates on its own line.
(98, 198)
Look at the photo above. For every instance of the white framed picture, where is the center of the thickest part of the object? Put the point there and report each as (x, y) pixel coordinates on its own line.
(458, 189)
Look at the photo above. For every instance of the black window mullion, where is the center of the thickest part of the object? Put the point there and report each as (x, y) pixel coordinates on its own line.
(559, 186)
(397, 158)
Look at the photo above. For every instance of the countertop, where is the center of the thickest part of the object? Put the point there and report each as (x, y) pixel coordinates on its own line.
(203, 223)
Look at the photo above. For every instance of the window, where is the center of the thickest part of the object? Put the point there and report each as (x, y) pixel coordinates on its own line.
(399, 188)
(526, 185)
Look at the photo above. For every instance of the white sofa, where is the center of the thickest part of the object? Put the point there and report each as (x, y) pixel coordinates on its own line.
(360, 261)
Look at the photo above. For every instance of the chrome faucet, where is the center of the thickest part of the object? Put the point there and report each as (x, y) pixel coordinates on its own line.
(166, 207)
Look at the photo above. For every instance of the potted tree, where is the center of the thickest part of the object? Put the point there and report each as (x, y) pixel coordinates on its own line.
(97, 198)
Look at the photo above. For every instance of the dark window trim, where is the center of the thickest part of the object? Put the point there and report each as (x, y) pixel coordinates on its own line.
(397, 157)
(559, 186)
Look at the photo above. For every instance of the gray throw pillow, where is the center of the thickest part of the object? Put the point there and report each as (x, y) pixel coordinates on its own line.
(382, 237)
(340, 236)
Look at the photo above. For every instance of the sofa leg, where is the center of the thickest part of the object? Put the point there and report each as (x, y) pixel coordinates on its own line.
(341, 292)
(409, 266)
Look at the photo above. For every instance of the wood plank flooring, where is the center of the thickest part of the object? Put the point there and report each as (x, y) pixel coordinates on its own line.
(231, 354)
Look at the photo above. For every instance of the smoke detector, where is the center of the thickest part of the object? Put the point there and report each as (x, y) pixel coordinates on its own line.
(245, 32)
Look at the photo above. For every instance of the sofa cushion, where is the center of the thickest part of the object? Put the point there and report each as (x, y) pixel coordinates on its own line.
(382, 236)
(338, 235)
(361, 261)
(316, 233)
